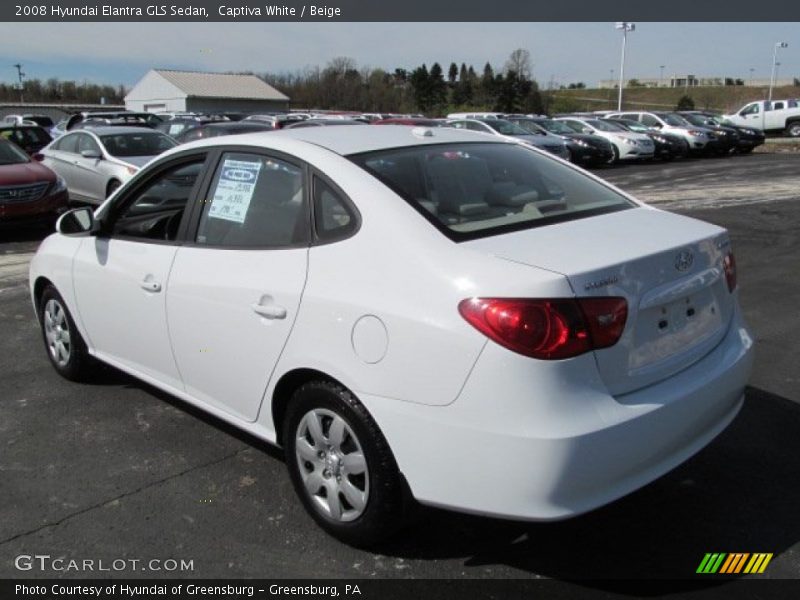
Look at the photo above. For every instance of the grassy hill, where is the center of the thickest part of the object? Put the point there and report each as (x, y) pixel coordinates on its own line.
(723, 98)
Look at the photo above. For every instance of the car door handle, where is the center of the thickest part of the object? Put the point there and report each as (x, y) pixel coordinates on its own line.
(269, 311)
(150, 285)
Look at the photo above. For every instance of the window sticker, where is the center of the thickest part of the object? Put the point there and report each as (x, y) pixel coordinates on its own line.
(234, 191)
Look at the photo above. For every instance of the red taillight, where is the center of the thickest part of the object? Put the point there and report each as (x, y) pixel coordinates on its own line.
(548, 329)
(729, 264)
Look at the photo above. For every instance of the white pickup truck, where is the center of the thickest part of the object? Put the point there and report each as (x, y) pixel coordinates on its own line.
(772, 116)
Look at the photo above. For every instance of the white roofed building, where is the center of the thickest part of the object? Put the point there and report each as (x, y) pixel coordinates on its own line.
(163, 90)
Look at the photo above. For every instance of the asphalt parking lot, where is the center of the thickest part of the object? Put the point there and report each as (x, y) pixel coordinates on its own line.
(117, 469)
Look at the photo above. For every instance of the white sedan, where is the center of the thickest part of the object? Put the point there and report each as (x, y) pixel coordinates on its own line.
(96, 161)
(626, 145)
(414, 312)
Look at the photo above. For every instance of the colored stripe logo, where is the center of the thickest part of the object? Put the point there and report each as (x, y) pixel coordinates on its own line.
(735, 562)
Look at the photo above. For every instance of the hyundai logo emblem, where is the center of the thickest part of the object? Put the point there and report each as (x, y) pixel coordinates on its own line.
(684, 260)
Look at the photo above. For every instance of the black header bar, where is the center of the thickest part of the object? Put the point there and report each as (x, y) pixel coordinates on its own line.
(394, 11)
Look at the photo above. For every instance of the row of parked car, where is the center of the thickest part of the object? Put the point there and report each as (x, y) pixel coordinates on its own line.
(91, 154)
(601, 138)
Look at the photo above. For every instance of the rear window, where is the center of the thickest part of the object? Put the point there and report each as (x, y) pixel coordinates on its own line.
(473, 190)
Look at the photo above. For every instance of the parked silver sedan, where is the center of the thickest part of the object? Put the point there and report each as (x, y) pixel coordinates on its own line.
(95, 162)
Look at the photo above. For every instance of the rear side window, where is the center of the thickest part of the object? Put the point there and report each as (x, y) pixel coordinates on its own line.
(473, 190)
(334, 218)
(254, 202)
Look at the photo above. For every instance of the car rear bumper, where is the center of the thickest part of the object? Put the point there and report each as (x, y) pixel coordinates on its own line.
(523, 443)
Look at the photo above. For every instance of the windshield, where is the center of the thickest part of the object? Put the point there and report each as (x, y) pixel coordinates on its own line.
(472, 190)
(556, 126)
(531, 126)
(605, 125)
(505, 127)
(674, 120)
(635, 126)
(11, 155)
(137, 144)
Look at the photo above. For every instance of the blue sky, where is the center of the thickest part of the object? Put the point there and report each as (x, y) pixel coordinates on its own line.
(120, 53)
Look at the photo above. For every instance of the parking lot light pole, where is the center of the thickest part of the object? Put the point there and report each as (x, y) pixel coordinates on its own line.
(21, 84)
(625, 27)
(661, 78)
(774, 66)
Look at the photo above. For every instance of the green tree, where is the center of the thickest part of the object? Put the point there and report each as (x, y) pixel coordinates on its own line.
(462, 93)
(685, 103)
(452, 73)
(421, 85)
(438, 88)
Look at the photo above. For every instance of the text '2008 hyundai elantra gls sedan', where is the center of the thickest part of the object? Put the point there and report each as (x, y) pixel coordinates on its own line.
(409, 312)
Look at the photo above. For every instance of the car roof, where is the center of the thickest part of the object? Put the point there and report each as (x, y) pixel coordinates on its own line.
(354, 140)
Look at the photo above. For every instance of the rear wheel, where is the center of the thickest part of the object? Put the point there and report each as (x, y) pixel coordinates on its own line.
(793, 129)
(341, 465)
(65, 346)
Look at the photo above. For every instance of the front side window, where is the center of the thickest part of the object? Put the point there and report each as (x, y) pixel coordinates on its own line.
(87, 144)
(471, 190)
(156, 210)
(68, 143)
(254, 201)
(749, 110)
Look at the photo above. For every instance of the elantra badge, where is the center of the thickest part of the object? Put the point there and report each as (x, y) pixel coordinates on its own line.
(684, 260)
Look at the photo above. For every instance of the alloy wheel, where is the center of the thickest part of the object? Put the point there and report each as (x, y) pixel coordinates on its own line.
(56, 330)
(332, 465)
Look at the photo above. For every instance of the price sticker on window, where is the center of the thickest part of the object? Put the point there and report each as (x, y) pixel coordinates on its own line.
(234, 191)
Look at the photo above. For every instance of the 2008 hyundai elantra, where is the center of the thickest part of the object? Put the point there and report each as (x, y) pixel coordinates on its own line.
(409, 311)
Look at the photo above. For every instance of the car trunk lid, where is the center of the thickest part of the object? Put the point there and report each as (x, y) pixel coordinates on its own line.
(669, 269)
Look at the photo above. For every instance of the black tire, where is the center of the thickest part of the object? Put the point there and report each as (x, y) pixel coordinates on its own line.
(747, 150)
(793, 129)
(79, 365)
(113, 185)
(384, 512)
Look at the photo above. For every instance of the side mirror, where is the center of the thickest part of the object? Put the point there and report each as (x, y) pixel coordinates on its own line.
(38, 157)
(78, 222)
(588, 130)
(91, 154)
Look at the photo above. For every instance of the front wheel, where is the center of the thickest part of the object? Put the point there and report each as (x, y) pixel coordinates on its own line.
(341, 465)
(65, 346)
